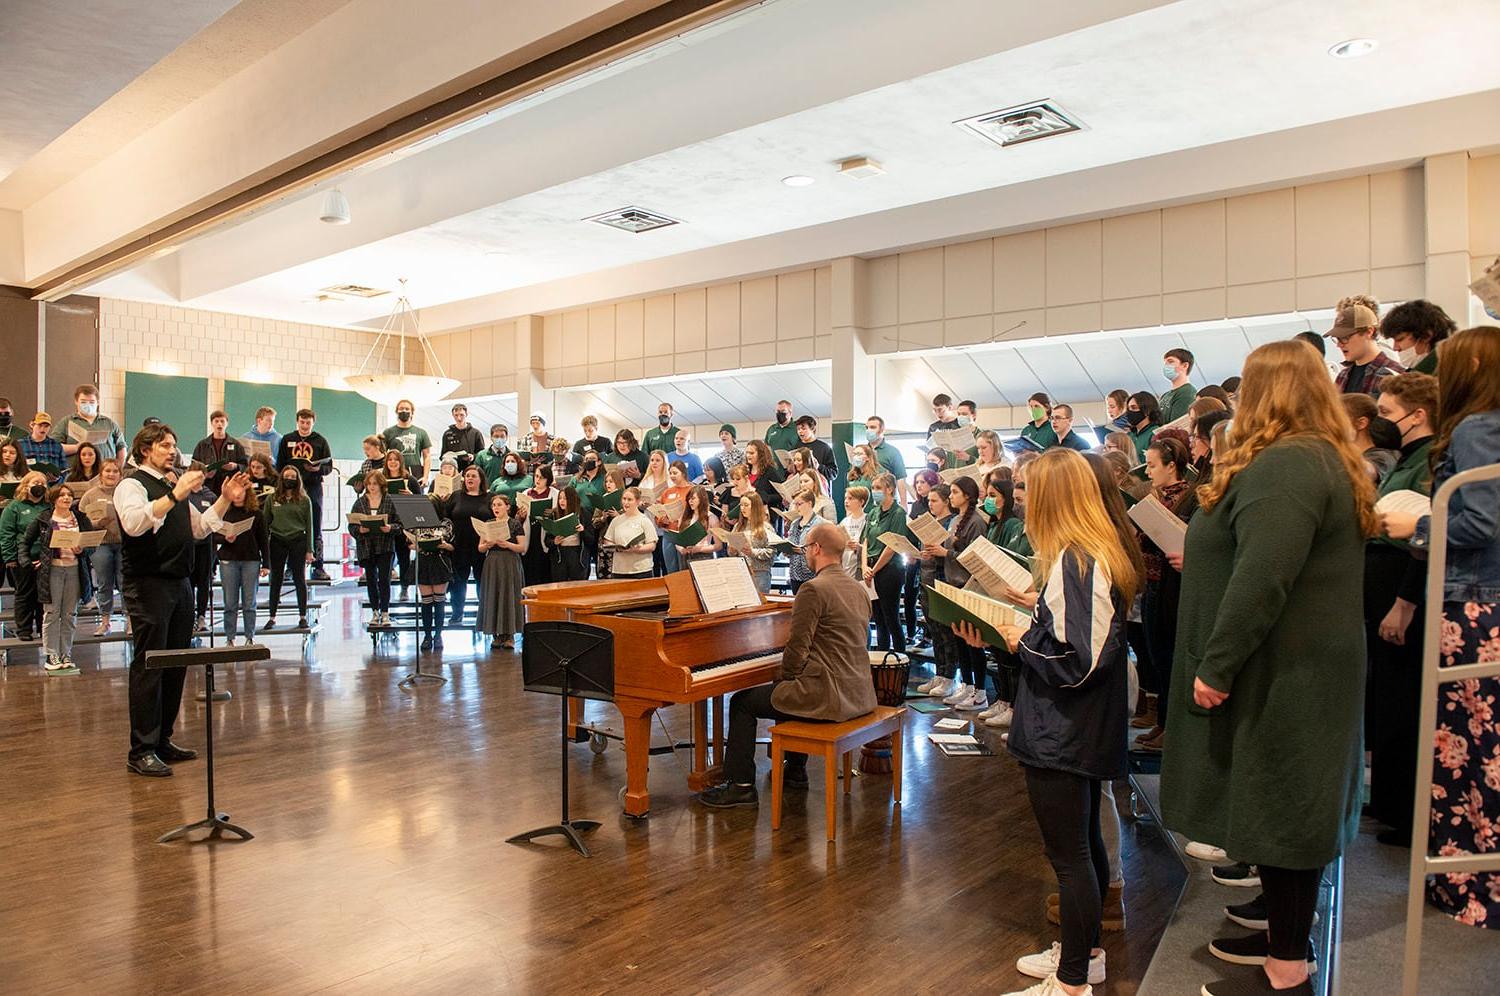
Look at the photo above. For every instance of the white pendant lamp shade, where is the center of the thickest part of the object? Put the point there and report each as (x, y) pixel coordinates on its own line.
(385, 388)
(335, 210)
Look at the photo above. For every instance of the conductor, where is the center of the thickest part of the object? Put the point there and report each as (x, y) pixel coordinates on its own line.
(825, 670)
(158, 528)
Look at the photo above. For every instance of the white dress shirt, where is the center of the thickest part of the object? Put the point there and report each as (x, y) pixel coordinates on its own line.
(133, 509)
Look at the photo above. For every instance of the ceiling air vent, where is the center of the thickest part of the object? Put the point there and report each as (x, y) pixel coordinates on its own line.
(634, 220)
(1026, 123)
(354, 290)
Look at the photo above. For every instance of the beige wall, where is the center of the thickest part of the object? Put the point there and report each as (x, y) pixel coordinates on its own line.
(155, 338)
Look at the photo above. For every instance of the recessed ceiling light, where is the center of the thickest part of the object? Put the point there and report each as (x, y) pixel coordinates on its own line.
(1353, 48)
(798, 181)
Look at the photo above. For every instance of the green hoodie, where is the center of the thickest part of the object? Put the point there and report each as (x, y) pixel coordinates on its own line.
(18, 515)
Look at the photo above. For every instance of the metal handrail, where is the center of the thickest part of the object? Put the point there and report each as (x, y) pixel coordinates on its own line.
(1433, 676)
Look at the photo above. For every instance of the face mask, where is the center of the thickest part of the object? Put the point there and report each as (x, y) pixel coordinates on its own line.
(1135, 418)
(878, 497)
(5, 421)
(498, 445)
(871, 435)
(964, 421)
(403, 416)
(289, 481)
(859, 459)
(663, 420)
(89, 408)
(1408, 357)
(988, 506)
(782, 418)
(36, 491)
(1169, 372)
(512, 468)
(1037, 411)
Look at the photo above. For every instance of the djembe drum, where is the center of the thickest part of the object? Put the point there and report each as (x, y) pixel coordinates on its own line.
(890, 672)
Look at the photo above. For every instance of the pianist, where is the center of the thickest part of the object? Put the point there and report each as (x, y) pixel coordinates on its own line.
(825, 670)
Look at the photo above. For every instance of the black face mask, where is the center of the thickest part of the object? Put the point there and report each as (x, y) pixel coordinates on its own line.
(1136, 419)
(1384, 433)
(290, 482)
(663, 420)
(37, 491)
(782, 418)
(403, 416)
(4, 420)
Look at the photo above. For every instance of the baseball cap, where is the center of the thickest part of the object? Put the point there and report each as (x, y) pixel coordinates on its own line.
(41, 417)
(1353, 319)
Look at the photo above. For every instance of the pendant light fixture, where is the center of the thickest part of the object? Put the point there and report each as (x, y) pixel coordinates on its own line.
(388, 388)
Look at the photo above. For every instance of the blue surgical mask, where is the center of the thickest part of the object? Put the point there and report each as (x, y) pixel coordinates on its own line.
(871, 435)
(89, 409)
(964, 421)
(1169, 372)
(860, 460)
(877, 496)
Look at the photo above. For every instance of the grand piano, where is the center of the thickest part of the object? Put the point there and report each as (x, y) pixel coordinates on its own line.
(668, 650)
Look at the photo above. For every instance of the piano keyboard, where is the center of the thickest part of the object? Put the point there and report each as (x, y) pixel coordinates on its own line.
(719, 669)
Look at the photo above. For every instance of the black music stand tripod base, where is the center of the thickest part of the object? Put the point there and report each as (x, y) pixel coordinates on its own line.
(215, 824)
(418, 676)
(570, 830)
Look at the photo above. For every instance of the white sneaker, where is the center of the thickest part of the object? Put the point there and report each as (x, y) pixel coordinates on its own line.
(929, 684)
(1049, 987)
(977, 700)
(53, 663)
(103, 628)
(993, 708)
(960, 693)
(940, 687)
(1205, 852)
(1043, 964)
(1000, 717)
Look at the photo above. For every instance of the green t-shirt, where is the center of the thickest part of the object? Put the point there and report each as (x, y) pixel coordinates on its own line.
(660, 439)
(878, 522)
(1176, 402)
(890, 458)
(411, 441)
(1042, 434)
(782, 437)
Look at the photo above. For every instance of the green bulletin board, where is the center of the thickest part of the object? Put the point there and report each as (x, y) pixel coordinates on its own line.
(345, 419)
(181, 402)
(242, 398)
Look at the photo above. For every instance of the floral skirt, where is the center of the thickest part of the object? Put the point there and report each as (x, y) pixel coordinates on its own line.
(1466, 768)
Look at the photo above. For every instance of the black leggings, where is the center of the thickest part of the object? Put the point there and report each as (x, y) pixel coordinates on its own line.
(1067, 812)
(377, 568)
(911, 586)
(464, 565)
(887, 608)
(203, 576)
(1160, 620)
(972, 664)
(289, 553)
(1291, 898)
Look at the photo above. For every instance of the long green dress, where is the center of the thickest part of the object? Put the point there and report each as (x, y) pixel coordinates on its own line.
(1270, 613)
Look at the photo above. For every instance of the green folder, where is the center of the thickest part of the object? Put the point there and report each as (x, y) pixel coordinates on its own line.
(690, 535)
(942, 609)
(609, 501)
(783, 544)
(47, 470)
(566, 526)
(428, 545)
(8, 491)
(396, 486)
(634, 541)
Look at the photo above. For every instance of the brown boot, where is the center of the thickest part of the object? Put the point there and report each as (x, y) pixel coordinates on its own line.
(1152, 741)
(1114, 908)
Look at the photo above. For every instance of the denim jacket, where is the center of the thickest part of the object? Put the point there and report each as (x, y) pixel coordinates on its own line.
(1473, 572)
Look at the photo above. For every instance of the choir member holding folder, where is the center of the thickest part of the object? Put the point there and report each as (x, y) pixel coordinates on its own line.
(1166, 466)
(468, 502)
(55, 543)
(1268, 682)
(502, 579)
(244, 550)
(374, 543)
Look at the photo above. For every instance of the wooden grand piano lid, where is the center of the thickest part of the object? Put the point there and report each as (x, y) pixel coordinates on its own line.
(675, 592)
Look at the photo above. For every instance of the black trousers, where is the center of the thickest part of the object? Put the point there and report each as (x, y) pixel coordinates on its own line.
(377, 568)
(1291, 899)
(203, 576)
(1159, 615)
(972, 665)
(28, 612)
(746, 708)
(465, 564)
(1067, 812)
(161, 618)
(402, 551)
(887, 608)
(289, 554)
(568, 563)
(315, 498)
(911, 585)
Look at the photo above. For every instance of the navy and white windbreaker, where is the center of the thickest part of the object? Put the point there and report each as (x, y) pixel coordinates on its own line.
(1072, 709)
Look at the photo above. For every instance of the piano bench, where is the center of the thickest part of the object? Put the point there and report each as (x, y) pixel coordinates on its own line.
(831, 741)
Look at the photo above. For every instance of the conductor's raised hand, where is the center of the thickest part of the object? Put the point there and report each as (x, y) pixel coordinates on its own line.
(187, 483)
(237, 487)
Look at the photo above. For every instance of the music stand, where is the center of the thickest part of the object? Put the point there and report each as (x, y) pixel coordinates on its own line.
(215, 822)
(416, 512)
(563, 659)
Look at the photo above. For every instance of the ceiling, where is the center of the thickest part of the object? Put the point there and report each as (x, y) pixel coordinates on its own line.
(83, 78)
(497, 210)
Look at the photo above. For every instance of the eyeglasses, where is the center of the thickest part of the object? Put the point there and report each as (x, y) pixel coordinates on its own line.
(1343, 340)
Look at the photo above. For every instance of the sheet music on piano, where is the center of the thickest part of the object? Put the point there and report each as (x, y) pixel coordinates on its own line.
(724, 583)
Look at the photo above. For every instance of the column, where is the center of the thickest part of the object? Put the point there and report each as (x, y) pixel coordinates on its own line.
(853, 368)
(1446, 180)
(532, 394)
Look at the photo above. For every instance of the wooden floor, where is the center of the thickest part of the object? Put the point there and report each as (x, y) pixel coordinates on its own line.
(379, 863)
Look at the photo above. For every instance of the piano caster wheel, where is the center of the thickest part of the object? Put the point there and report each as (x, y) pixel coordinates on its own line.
(630, 816)
(598, 743)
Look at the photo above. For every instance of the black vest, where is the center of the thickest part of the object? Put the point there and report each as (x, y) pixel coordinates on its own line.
(167, 552)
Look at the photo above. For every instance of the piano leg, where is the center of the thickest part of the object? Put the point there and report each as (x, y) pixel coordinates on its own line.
(575, 719)
(637, 714)
(700, 745)
(718, 730)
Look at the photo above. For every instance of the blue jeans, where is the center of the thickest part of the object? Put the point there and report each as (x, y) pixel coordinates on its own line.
(669, 556)
(241, 580)
(107, 576)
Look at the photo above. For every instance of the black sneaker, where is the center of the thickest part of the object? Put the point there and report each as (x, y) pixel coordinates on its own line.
(729, 796)
(1248, 950)
(270, 622)
(1238, 874)
(302, 622)
(794, 776)
(1251, 915)
(437, 641)
(1256, 985)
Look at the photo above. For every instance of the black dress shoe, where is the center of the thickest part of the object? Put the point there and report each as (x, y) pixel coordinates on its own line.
(794, 776)
(1394, 838)
(171, 753)
(729, 796)
(437, 641)
(149, 765)
(426, 643)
